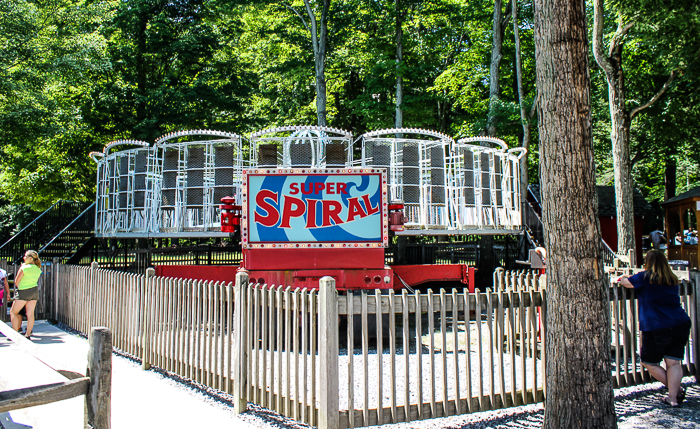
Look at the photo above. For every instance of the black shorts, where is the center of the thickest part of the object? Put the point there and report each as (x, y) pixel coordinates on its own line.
(31, 294)
(665, 343)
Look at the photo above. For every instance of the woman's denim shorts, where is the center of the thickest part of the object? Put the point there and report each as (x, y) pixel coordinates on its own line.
(665, 343)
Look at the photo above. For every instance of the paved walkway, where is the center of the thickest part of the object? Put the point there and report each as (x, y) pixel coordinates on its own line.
(140, 399)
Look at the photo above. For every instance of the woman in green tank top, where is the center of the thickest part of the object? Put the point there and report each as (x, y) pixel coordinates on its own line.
(27, 286)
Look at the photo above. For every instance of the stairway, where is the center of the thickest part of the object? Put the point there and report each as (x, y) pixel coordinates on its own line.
(63, 231)
(535, 234)
(533, 225)
(73, 240)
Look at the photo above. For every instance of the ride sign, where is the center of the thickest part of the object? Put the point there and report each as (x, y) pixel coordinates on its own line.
(314, 208)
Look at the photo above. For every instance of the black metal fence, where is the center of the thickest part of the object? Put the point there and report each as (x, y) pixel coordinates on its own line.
(469, 250)
(41, 230)
(135, 257)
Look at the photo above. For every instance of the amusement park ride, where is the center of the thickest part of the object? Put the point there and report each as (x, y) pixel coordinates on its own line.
(307, 202)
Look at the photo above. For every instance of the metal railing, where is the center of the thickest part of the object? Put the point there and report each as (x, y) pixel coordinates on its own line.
(533, 224)
(41, 230)
(71, 238)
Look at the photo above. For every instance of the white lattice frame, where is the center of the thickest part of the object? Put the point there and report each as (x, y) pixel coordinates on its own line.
(505, 215)
(430, 215)
(181, 218)
(284, 136)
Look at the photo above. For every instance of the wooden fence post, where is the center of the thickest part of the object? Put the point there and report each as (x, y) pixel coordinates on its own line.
(144, 310)
(98, 399)
(328, 413)
(240, 334)
(694, 276)
(53, 295)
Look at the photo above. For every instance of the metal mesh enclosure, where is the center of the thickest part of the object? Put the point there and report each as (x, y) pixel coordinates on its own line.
(300, 147)
(123, 188)
(415, 163)
(174, 188)
(484, 184)
(199, 167)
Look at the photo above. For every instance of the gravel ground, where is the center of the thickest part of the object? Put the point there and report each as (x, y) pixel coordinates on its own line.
(636, 407)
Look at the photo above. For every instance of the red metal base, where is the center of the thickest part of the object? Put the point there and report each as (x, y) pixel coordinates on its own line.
(219, 273)
(346, 279)
(277, 259)
(414, 275)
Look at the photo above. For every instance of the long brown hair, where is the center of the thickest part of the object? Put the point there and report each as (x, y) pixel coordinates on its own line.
(35, 257)
(658, 270)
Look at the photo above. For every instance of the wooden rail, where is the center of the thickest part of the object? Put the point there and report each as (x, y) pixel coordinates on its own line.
(385, 357)
(95, 384)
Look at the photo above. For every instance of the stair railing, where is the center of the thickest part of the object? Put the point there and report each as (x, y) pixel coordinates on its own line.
(533, 224)
(40, 230)
(84, 220)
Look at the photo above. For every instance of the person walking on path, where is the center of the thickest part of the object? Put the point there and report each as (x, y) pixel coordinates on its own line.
(4, 287)
(664, 324)
(27, 286)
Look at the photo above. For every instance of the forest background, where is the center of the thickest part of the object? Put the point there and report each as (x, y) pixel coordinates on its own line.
(75, 75)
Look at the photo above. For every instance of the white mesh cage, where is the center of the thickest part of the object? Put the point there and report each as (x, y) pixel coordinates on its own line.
(197, 169)
(123, 188)
(415, 160)
(300, 147)
(484, 184)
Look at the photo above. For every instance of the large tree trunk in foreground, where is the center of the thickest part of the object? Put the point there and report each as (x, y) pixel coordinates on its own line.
(579, 382)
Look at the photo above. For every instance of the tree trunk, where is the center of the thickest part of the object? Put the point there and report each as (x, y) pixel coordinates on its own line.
(494, 74)
(524, 118)
(398, 123)
(670, 178)
(622, 165)
(319, 38)
(579, 385)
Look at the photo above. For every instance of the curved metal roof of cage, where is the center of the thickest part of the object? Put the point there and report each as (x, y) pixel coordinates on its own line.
(494, 140)
(300, 128)
(421, 131)
(110, 145)
(522, 151)
(95, 154)
(185, 133)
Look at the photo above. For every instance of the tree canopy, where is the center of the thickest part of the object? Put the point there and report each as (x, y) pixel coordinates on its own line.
(75, 75)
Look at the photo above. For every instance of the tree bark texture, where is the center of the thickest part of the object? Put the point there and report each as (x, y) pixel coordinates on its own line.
(494, 74)
(319, 38)
(578, 370)
(621, 120)
(524, 118)
(398, 123)
(622, 165)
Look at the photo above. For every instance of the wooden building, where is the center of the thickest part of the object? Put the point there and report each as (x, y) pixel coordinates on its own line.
(682, 214)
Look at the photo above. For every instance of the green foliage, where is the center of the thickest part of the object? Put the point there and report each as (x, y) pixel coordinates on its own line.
(75, 75)
(13, 218)
(665, 37)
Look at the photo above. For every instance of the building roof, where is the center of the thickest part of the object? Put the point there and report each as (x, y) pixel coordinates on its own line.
(606, 200)
(695, 192)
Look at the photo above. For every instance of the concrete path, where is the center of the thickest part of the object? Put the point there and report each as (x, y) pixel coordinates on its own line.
(140, 399)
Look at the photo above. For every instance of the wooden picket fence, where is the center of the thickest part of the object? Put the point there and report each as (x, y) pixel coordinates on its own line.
(352, 360)
(46, 279)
